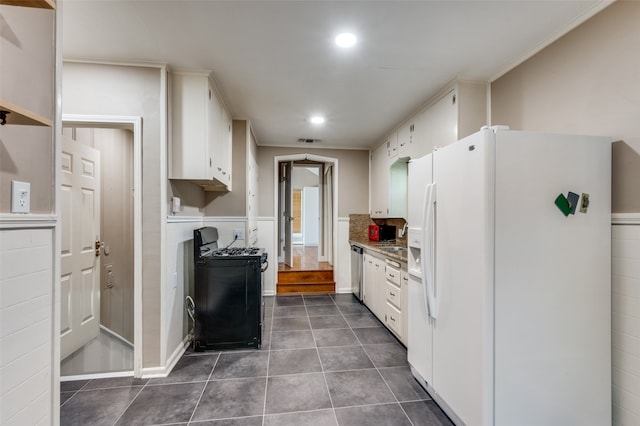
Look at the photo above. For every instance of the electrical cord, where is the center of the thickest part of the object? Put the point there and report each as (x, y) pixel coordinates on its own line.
(234, 240)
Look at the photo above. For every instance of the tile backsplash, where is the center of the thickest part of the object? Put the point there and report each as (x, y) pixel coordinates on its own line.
(359, 227)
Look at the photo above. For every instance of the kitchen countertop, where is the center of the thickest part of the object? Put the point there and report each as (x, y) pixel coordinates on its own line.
(376, 246)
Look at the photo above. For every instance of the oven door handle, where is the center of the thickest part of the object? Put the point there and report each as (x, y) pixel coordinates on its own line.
(265, 266)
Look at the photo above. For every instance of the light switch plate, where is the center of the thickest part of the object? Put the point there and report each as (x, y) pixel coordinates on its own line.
(175, 205)
(20, 197)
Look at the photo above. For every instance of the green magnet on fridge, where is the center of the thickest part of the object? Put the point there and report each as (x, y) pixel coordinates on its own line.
(563, 204)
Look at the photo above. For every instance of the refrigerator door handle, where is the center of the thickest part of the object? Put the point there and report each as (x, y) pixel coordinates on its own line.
(426, 254)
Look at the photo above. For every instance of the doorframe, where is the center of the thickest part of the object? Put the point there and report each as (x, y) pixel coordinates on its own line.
(276, 207)
(133, 123)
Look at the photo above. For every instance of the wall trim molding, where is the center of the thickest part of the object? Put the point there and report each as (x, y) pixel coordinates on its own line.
(18, 221)
(225, 219)
(625, 218)
(184, 219)
(196, 219)
(96, 376)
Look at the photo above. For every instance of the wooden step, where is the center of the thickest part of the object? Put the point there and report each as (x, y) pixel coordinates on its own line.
(292, 277)
(306, 288)
(305, 282)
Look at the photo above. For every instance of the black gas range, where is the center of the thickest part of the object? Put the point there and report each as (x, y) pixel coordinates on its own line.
(235, 252)
(227, 293)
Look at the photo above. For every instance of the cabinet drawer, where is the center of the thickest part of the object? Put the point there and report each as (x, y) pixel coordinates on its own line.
(393, 319)
(393, 294)
(393, 275)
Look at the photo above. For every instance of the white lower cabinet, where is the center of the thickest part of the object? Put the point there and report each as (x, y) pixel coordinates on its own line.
(385, 292)
(374, 296)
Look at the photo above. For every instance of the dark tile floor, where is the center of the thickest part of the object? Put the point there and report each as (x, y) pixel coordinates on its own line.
(325, 360)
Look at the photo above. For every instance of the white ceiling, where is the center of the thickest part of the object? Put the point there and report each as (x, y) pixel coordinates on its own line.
(276, 62)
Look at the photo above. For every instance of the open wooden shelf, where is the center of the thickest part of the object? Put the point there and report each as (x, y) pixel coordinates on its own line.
(41, 4)
(19, 115)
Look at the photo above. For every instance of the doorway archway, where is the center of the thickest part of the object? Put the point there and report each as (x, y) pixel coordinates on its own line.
(329, 179)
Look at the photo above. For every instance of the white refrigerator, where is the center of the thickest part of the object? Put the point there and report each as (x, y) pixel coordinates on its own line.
(510, 278)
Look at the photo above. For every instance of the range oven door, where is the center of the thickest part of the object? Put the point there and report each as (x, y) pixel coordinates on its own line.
(228, 299)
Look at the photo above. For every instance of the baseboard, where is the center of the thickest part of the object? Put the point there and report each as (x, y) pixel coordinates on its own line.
(96, 376)
(115, 335)
(155, 372)
(269, 293)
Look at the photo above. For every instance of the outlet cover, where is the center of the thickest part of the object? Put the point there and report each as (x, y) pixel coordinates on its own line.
(238, 234)
(20, 197)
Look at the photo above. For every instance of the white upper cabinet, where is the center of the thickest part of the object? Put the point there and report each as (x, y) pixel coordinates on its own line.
(406, 139)
(226, 147)
(379, 182)
(392, 145)
(458, 110)
(201, 135)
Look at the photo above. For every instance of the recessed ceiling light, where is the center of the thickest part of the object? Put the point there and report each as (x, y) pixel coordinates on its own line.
(346, 40)
(316, 119)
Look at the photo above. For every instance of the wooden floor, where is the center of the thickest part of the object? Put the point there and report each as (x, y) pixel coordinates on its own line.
(306, 275)
(305, 258)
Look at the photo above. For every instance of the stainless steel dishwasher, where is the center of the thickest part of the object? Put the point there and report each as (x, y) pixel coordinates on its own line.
(356, 271)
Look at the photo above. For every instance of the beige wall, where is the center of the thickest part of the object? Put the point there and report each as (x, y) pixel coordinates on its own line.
(27, 79)
(353, 174)
(587, 82)
(97, 89)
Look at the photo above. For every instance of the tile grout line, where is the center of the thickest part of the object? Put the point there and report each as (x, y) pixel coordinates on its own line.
(324, 375)
(394, 395)
(203, 389)
(378, 371)
(266, 379)
(130, 402)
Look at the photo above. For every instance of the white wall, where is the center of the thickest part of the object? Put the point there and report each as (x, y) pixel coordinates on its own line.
(626, 323)
(26, 327)
(342, 268)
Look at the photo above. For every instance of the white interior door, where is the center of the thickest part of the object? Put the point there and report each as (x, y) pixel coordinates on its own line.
(286, 211)
(328, 214)
(80, 267)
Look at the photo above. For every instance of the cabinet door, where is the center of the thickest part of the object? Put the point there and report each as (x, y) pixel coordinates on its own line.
(379, 183)
(406, 138)
(442, 121)
(189, 143)
(367, 279)
(226, 147)
(379, 302)
(392, 145)
(214, 134)
(404, 294)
